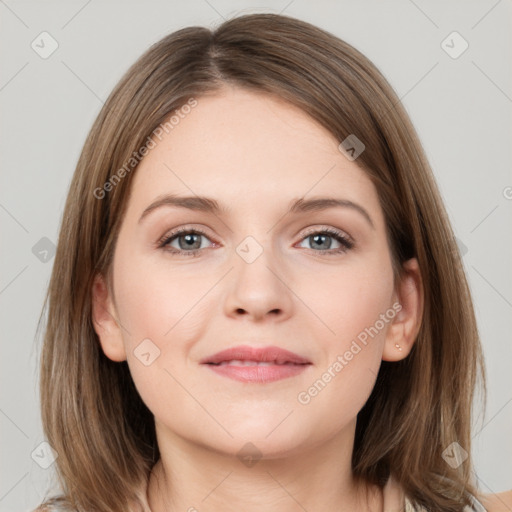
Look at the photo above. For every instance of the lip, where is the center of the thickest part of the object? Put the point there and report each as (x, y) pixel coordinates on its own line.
(263, 354)
(241, 363)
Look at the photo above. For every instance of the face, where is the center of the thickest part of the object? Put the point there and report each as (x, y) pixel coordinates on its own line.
(257, 272)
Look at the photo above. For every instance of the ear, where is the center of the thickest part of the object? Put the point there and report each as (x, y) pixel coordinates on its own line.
(406, 324)
(104, 320)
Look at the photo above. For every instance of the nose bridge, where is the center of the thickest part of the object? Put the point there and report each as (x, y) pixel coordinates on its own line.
(258, 288)
(253, 262)
(257, 237)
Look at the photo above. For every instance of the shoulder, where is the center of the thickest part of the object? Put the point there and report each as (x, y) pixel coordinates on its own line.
(500, 502)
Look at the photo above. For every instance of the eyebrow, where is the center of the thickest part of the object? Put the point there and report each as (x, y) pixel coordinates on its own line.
(208, 205)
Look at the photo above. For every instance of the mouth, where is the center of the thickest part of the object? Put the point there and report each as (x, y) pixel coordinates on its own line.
(258, 365)
(245, 362)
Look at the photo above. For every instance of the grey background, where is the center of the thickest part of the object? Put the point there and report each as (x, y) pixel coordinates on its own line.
(461, 108)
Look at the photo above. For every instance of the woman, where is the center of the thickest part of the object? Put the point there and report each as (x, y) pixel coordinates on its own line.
(208, 347)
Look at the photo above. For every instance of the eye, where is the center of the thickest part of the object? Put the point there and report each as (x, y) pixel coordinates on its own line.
(322, 240)
(188, 240)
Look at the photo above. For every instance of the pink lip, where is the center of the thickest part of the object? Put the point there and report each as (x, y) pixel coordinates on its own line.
(286, 364)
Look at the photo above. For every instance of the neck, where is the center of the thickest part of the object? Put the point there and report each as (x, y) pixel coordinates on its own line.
(194, 478)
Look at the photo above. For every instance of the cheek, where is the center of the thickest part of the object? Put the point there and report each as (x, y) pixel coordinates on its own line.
(353, 305)
(158, 308)
(157, 300)
(351, 298)
(344, 380)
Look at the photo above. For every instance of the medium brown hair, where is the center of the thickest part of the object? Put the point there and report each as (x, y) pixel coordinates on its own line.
(92, 413)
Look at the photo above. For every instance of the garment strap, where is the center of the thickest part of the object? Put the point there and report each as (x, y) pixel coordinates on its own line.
(475, 507)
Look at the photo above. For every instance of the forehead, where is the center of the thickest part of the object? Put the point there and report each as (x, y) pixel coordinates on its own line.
(248, 149)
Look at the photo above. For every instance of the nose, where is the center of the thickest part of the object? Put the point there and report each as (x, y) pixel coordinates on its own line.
(259, 289)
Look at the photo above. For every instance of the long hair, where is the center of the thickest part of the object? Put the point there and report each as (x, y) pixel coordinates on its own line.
(92, 414)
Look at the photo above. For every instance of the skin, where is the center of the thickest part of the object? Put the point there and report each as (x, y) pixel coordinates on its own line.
(254, 154)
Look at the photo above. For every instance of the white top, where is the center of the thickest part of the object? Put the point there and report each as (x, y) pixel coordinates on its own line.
(396, 501)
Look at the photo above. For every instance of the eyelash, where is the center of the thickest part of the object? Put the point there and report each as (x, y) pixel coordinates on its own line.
(344, 240)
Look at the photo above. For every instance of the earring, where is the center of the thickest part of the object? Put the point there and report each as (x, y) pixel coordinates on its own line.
(398, 346)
